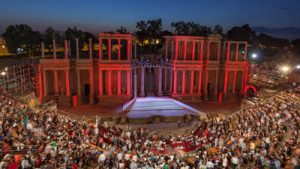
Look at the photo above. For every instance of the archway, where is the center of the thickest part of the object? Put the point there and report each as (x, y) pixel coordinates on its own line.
(249, 91)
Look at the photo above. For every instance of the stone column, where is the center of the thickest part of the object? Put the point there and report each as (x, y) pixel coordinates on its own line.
(242, 87)
(128, 83)
(78, 84)
(43, 50)
(184, 50)
(201, 50)
(166, 78)
(54, 48)
(90, 48)
(200, 82)
(175, 82)
(67, 83)
(77, 48)
(109, 83)
(142, 92)
(171, 81)
(100, 48)
(234, 81)
(208, 51)
(109, 49)
(192, 82)
(135, 50)
(245, 52)
(119, 49)
(216, 82)
(159, 81)
(176, 49)
(55, 83)
(237, 51)
(205, 84)
(135, 83)
(226, 81)
(45, 82)
(100, 83)
(193, 51)
(119, 83)
(166, 51)
(69, 47)
(228, 51)
(91, 86)
(183, 83)
(172, 49)
(128, 49)
(66, 50)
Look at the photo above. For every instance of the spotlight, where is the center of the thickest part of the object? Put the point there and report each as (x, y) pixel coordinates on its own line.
(254, 55)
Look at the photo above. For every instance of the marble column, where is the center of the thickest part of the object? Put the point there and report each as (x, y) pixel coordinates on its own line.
(237, 52)
(66, 50)
(109, 49)
(193, 51)
(234, 82)
(54, 48)
(165, 78)
(216, 83)
(67, 83)
(166, 51)
(78, 84)
(183, 83)
(90, 48)
(192, 82)
(100, 83)
(128, 49)
(77, 48)
(119, 83)
(100, 48)
(43, 50)
(45, 82)
(119, 49)
(200, 82)
(135, 83)
(55, 83)
(128, 82)
(201, 50)
(171, 80)
(175, 82)
(159, 81)
(135, 50)
(142, 92)
(184, 50)
(226, 81)
(109, 83)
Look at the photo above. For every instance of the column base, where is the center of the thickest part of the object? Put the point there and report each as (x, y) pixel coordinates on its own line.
(142, 94)
(160, 93)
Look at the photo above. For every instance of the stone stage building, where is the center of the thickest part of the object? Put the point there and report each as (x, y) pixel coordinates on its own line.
(190, 67)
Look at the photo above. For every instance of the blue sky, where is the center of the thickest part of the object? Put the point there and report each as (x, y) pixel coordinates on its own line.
(106, 15)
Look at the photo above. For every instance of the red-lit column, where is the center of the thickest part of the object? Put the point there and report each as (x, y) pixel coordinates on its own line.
(119, 49)
(193, 51)
(128, 49)
(166, 51)
(100, 48)
(54, 48)
(176, 49)
(243, 76)
(216, 82)
(205, 83)
(128, 83)
(91, 86)
(175, 82)
(109, 83)
(100, 83)
(77, 48)
(245, 52)
(200, 81)
(66, 50)
(184, 50)
(237, 51)
(228, 51)
(192, 82)
(78, 84)
(67, 83)
(234, 82)
(166, 78)
(55, 83)
(109, 49)
(90, 48)
(183, 82)
(119, 82)
(226, 81)
(201, 50)
(208, 50)
(45, 82)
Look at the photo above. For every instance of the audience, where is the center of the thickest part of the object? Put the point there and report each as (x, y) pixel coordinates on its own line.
(263, 136)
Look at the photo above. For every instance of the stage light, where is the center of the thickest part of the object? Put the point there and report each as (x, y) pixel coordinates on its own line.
(3, 46)
(3, 73)
(285, 68)
(298, 66)
(254, 55)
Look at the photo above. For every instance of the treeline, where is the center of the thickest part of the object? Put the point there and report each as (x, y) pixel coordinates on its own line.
(149, 34)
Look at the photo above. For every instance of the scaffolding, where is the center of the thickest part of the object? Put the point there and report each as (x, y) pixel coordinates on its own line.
(18, 78)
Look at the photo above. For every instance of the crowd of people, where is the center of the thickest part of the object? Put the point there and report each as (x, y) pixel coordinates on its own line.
(265, 135)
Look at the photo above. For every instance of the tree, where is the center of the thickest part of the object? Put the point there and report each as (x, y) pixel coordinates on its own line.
(190, 28)
(218, 29)
(296, 46)
(48, 37)
(122, 30)
(21, 37)
(243, 33)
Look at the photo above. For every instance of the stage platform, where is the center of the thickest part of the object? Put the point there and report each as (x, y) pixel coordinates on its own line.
(147, 107)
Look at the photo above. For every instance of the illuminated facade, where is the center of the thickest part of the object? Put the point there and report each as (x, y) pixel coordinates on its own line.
(190, 67)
